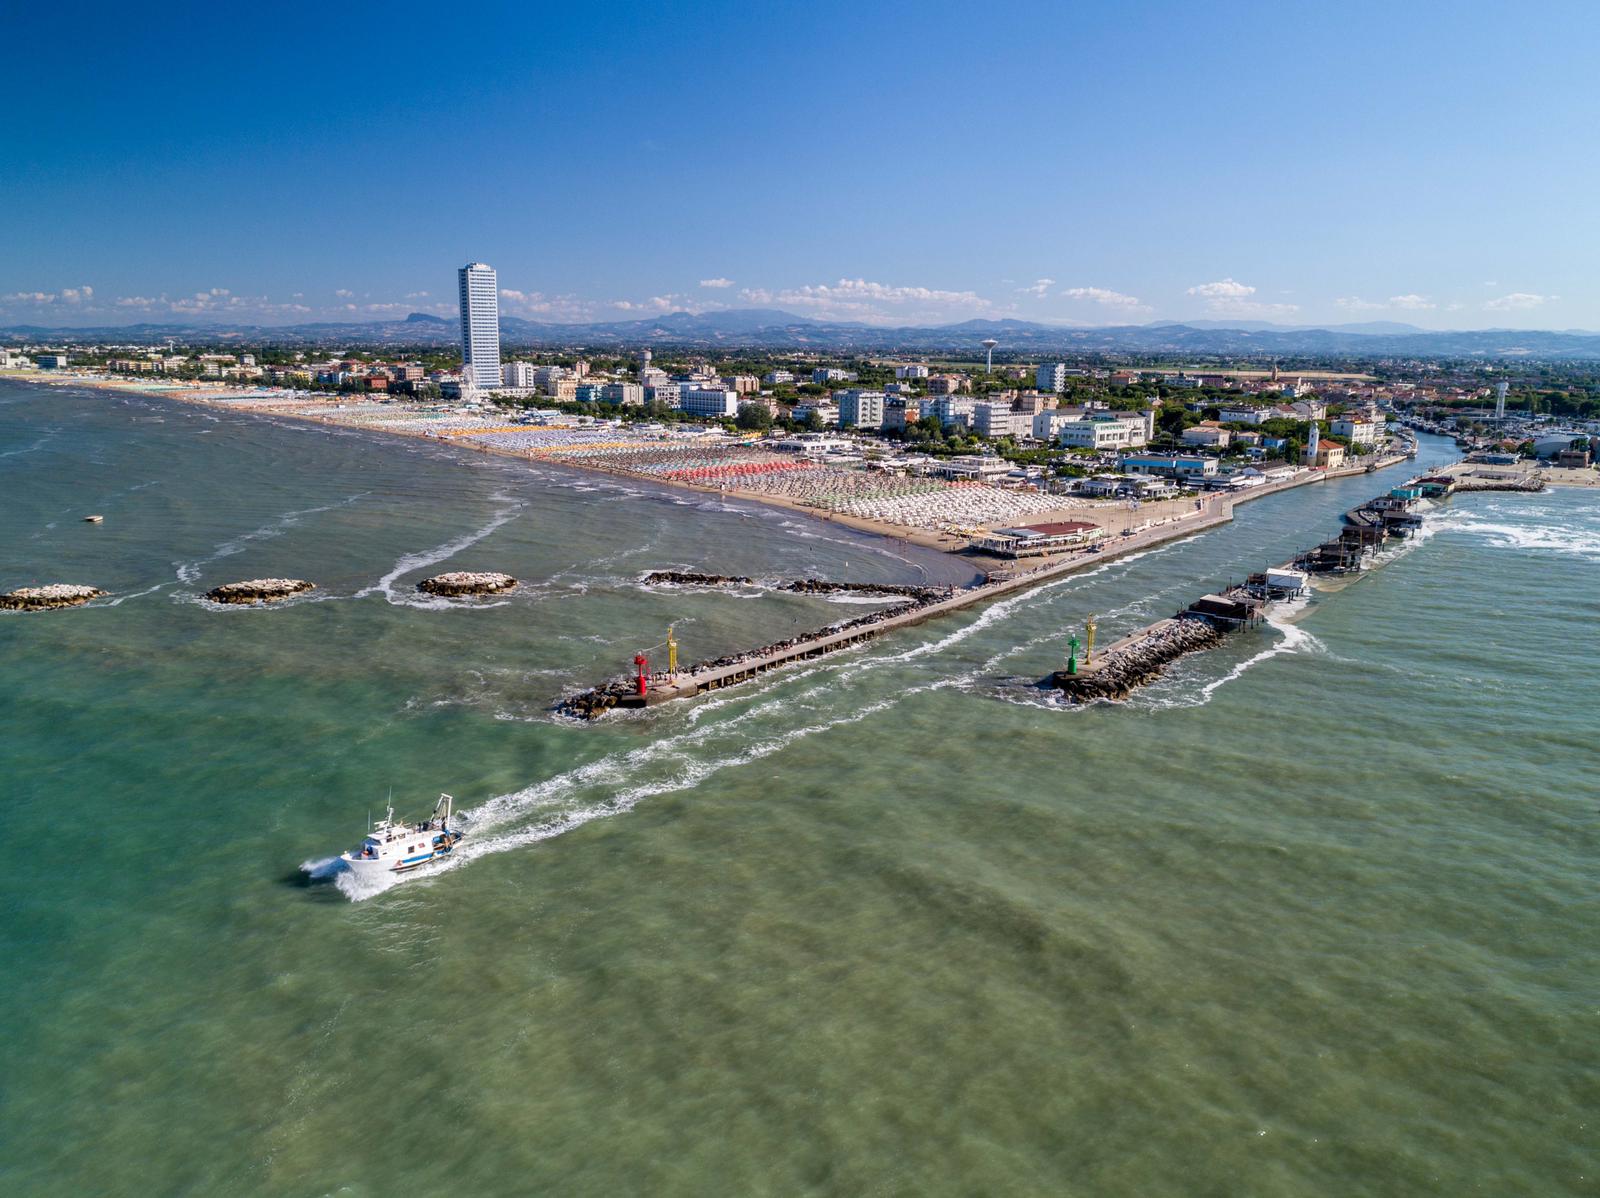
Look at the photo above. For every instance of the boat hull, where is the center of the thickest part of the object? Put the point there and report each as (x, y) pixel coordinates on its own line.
(373, 866)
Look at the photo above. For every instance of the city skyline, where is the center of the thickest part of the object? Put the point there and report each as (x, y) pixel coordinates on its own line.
(1237, 163)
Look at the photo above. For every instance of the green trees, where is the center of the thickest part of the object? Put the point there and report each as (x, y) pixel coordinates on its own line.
(753, 417)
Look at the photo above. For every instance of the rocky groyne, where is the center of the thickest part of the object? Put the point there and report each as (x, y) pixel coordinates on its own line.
(1527, 486)
(689, 578)
(589, 704)
(56, 594)
(259, 590)
(888, 590)
(463, 582)
(798, 586)
(592, 704)
(1123, 669)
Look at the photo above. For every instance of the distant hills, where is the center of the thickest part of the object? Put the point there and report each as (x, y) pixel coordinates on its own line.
(772, 329)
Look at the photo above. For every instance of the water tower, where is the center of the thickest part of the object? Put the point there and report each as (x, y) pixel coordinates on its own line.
(988, 344)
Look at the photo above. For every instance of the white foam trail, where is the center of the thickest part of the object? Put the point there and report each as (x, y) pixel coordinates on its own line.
(121, 599)
(190, 572)
(1292, 639)
(429, 557)
(37, 445)
(619, 769)
(1001, 608)
(692, 774)
(322, 867)
(1564, 540)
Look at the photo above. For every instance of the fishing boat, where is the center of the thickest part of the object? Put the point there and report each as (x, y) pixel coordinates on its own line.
(397, 847)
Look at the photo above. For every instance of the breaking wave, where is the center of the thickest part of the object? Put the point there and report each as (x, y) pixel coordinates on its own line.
(431, 557)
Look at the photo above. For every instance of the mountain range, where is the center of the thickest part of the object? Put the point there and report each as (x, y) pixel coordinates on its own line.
(772, 329)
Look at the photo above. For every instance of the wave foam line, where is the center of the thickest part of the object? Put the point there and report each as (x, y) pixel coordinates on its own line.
(190, 572)
(1566, 540)
(430, 557)
(618, 768)
(1293, 639)
(691, 775)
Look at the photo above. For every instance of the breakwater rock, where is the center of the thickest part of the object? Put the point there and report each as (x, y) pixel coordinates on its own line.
(259, 590)
(1119, 672)
(1529, 486)
(57, 594)
(462, 582)
(889, 590)
(688, 578)
(590, 704)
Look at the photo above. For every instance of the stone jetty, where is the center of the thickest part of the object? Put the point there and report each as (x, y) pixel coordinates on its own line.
(887, 590)
(737, 667)
(1137, 661)
(259, 590)
(689, 578)
(464, 582)
(57, 594)
(799, 586)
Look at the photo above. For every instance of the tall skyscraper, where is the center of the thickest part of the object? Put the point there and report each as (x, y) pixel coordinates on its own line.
(480, 326)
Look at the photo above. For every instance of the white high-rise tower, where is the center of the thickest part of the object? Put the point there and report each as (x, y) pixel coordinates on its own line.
(480, 326)
(1500, 390)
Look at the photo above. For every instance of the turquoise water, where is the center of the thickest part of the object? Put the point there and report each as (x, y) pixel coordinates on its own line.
(1313, 915)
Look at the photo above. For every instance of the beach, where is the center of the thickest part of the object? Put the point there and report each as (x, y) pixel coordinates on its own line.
(1149, 522)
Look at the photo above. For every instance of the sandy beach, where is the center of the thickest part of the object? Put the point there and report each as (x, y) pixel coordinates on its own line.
(1125, 527)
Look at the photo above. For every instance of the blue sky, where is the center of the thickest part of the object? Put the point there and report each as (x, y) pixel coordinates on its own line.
(896, 163)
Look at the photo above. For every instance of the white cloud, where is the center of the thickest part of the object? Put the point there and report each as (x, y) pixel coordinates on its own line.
(861, 299)
(1518, 301)
(717, 283)
(1231, 298)
(1038, 287)
(345, 293)
(416, 295)
(1225, 289)
(1403, 303)
(67, 295)
(1104, 297)
(537, 305)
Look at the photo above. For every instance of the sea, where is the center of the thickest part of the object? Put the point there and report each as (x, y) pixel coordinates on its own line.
(1312, 915)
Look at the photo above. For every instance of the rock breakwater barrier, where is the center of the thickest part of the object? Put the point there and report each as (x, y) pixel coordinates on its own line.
(464, 582)
(645, 688)
(56, 594)
(689, 578)
(1136, 661)
(259, 590)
